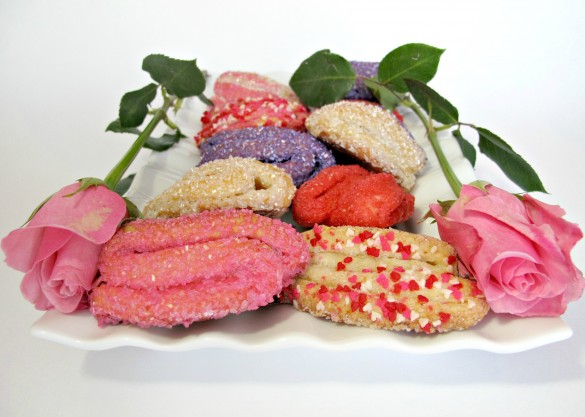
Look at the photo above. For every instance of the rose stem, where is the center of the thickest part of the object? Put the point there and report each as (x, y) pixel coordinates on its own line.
(120, 168)
(432, 136)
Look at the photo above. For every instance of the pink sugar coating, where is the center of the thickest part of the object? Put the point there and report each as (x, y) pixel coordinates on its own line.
(182, 264)
(253, 284)
(151, 235)
(233, 85)
(165, 272)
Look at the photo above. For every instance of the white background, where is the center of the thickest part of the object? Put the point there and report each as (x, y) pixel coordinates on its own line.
(516, 68)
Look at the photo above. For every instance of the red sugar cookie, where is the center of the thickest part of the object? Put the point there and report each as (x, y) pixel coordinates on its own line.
(351, 196)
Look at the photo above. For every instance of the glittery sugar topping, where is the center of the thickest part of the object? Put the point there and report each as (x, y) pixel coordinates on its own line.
(370, 134)
(298, 153)
(385, 278)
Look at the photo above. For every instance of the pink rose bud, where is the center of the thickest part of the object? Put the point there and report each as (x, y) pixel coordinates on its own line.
(518, 250)
(58, 249)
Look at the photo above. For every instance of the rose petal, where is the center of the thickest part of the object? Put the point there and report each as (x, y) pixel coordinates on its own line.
(31, 285)
(549, 307)
(27, 246)
(567, 233)
(72, 274)
(93, 213)
(468, 193)
(512, 305)
(466, 237)
(520, 275)
(552, 307)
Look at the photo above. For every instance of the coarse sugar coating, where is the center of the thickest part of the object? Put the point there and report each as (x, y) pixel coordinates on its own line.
(371, 134)
(351, 195)
(212, 289)
(166, 272)
(243, 183)
(385, 279)
(298, 153)
(231, 86)
(359, 91)
(247, 112)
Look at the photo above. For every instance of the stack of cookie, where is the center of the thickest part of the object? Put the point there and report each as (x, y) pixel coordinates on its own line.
(213, 244)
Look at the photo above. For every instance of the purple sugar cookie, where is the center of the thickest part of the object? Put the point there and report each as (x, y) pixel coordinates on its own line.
(359, 91)
(298, 153)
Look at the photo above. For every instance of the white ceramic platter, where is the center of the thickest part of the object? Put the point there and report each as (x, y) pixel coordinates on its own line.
(280, 326)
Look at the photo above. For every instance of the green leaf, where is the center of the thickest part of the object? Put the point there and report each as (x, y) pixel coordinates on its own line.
(134, 106)
(164, 142)
(512, 164)
(383, 94)
(467, 148)
(323, 78)
(180, 78)
(414, 60)
(437, 107)
(116, 127)
(124, 184)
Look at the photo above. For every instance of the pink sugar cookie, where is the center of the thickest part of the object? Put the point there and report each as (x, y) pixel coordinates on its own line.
(234, 85)
(166, 272)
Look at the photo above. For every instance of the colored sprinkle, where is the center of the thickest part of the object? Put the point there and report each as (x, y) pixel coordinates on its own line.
(383, 281)
(430, 281)
(444, 317)
(365, 235)
(446, 277)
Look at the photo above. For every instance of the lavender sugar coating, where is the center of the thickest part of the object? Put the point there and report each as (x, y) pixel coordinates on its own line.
(298, 153)
(359, 91)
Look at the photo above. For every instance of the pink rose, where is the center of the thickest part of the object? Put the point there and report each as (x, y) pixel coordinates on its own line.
(518, 249)
(59, 247)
